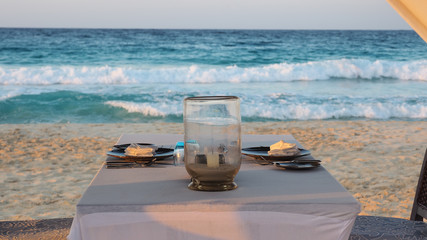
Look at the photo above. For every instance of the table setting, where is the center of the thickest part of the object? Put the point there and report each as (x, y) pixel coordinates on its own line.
(137, 155)
(212, 182)
(167, 155)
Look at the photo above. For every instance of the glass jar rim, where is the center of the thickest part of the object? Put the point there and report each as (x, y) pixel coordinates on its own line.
(211, 98)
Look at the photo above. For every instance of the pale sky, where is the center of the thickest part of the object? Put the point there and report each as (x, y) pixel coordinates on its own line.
(201, 14)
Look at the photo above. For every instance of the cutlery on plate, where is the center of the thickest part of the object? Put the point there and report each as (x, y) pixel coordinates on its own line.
(304, 161)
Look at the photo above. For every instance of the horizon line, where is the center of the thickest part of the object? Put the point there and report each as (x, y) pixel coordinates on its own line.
(217, 29)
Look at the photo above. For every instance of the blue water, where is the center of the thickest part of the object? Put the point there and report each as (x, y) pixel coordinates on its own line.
(106, 75)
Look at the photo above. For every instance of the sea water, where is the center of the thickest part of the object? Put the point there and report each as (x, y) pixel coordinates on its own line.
(142, 75)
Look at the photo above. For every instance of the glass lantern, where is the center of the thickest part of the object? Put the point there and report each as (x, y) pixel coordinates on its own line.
(212, 142)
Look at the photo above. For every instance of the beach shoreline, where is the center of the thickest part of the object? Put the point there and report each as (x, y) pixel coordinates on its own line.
(45, 168)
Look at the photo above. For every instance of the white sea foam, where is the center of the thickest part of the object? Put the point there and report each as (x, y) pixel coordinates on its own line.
(296, 111)
(365, 110)
(321, 70)
(7, 95)
(132, 107)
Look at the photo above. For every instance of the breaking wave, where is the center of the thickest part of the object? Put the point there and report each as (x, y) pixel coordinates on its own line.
(317, 70)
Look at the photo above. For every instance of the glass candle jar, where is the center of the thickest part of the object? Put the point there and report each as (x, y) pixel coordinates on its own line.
(212, 142)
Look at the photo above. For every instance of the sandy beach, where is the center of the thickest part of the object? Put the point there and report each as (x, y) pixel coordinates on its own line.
(45, 168)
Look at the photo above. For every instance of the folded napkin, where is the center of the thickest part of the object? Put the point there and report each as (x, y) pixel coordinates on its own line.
(282, 148)
(137, 150)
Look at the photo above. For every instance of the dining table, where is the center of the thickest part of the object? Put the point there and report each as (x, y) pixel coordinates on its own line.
(153, 202)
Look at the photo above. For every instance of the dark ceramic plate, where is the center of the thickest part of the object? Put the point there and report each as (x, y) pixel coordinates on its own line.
(161, 153)
(262, 153)
(296, 166)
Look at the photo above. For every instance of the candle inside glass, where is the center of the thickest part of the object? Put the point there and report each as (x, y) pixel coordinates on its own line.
(212, 142)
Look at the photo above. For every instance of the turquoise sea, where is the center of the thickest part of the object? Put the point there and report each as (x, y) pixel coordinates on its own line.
(135, 75)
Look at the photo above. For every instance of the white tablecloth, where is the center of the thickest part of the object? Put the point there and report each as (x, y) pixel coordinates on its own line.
(269, 203)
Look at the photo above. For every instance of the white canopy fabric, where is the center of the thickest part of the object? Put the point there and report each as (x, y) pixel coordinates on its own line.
(415, 14)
